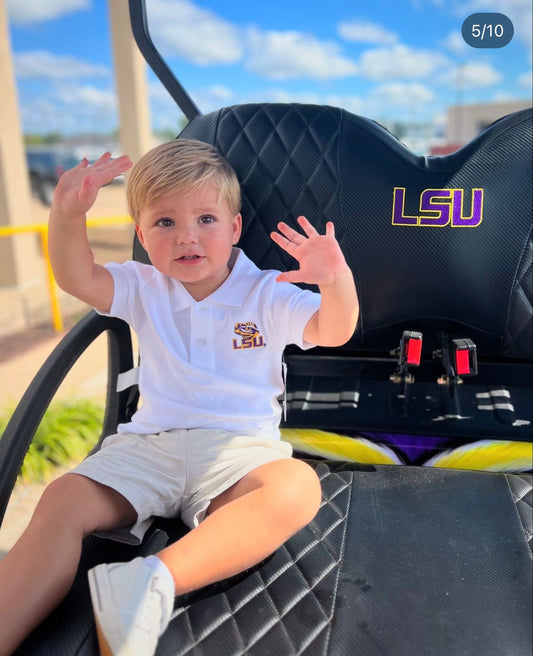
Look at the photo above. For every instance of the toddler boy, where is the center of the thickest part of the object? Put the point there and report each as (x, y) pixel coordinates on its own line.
(205, 442)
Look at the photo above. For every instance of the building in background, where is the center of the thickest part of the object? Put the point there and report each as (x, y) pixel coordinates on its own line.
(464, 122)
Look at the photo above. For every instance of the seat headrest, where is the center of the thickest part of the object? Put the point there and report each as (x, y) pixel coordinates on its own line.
(435, 243)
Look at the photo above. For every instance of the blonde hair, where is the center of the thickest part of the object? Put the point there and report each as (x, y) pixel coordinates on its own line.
(180, 166)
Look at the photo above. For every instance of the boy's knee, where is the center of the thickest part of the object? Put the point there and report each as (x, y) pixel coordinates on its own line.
(83, 505)
(302, 491)
(58, 497)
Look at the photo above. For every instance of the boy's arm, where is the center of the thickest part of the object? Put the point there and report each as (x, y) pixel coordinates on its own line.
(70, 253)
(322, 263)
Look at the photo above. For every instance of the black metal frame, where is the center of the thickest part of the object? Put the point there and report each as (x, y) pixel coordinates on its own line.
(22, 426)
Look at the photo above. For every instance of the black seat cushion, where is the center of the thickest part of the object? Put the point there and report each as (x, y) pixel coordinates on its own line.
(399, 560)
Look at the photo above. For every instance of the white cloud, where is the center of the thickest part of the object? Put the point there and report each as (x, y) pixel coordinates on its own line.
(180, 28)
(501, 6)
(400, 96)
(379, 101)
(68, 109)
(421, 3)
(87, 99)
(213, 97)
(27, 12)
(164, 112)
(503, 97)
(158, 94)
(400, 62)
(167, 115)
(366, 32)
(41, 64)
(280, 95)
(351, 103)
(43, 115)
(455, 43)
(472, 75)
(525, 81)
(288, 55)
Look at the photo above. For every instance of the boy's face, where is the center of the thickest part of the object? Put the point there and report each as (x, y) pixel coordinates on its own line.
(190, 238)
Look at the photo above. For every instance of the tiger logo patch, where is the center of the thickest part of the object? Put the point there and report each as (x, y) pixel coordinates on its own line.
(250, 336)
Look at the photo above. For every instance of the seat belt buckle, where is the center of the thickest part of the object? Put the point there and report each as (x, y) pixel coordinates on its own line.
(409, 354)
(411, 348)
(465, 357)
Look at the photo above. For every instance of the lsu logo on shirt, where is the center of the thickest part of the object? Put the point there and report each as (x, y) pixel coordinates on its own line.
(250, 336)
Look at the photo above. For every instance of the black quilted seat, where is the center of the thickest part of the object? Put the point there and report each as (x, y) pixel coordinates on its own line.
(331, 165)
(467, 279)
(398, 561)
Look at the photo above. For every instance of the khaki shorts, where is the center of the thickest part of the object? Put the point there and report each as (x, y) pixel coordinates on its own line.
(176, 473)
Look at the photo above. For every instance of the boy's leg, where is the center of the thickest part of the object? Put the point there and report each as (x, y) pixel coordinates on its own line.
(245, 524)
(38, 572)
(133, 601)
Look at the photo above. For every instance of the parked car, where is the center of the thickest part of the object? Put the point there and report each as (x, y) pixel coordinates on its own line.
(45, 166)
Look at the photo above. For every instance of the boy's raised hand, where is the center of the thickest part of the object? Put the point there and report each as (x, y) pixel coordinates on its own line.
(78, 187)
(320, 257)
(322, 263)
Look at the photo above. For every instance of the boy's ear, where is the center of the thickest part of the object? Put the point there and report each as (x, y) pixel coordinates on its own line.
(237, 228)
(139, 233)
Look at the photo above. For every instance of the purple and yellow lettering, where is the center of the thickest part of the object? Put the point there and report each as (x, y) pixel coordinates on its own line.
(398, 205)
(437, 203)
(476, 209)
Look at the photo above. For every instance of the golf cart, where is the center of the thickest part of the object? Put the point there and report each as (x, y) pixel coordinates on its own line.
(420, 427)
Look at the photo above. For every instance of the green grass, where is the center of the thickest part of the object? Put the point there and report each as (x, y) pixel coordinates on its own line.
(67, 432)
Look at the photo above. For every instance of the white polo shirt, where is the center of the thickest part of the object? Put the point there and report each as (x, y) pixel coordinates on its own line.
(215, 363)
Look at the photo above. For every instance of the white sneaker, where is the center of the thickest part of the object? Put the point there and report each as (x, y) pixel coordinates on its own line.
(132, 605)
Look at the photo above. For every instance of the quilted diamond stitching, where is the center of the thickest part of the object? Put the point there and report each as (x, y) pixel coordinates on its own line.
(299, 155)
(287, 623)
(521, 486)
(309, 150)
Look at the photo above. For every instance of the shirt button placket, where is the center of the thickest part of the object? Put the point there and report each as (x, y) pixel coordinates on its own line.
(202, 345)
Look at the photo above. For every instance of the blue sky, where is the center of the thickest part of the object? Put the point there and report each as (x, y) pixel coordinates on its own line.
(391, 60)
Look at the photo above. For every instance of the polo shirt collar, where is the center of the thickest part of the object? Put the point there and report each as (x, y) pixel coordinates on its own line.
(233, 291)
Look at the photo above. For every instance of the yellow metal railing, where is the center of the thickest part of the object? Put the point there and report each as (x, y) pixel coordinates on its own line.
(42, 230)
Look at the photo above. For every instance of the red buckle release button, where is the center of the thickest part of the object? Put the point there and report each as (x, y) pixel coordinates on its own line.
(462, 362)
(465, 357)
(414, 351)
